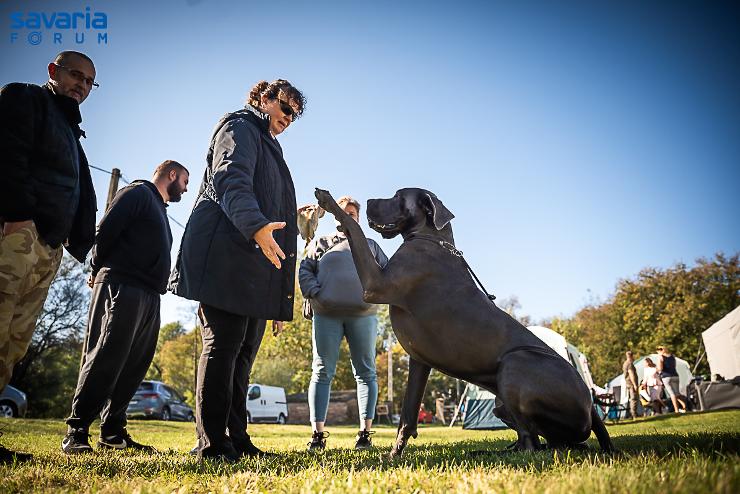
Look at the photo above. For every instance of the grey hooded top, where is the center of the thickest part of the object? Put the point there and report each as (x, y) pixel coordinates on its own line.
(328, 277)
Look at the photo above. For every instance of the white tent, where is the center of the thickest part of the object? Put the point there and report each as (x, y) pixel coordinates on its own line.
(479, 403)
(569, 352)
(616, 385)
(722, 342)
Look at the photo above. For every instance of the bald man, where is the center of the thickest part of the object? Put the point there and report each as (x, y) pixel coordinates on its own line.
(47, 199)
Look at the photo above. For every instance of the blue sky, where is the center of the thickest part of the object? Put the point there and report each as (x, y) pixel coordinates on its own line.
(575, 143)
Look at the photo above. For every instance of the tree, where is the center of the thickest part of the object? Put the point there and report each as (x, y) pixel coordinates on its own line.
(178, 358)
(168, 332)
(63, 318)
(48, 371)
(511, 305)
(658, 306)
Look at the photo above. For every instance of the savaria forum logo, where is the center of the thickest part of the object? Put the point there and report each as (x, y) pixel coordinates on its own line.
(35, 28)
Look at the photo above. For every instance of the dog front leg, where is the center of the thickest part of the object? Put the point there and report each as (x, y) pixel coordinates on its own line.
(370, 273)
(418, 376)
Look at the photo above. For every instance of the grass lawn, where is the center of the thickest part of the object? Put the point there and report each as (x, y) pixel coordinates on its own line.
(693, 453)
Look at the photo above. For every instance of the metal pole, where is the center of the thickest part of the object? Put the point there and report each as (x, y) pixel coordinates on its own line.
(195, 355)
(115, 175)
(459, 405)
(390, 370)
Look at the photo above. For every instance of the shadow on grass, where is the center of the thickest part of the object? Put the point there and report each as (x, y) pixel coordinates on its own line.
(425, 456)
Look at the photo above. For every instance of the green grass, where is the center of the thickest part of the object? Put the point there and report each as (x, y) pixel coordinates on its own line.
(693, 453)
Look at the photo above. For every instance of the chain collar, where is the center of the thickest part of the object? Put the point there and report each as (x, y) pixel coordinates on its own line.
(450, 247)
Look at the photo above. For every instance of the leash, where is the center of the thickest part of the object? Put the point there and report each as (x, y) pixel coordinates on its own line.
(449, 247)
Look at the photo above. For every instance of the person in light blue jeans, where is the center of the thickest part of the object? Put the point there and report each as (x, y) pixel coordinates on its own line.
(329, 280)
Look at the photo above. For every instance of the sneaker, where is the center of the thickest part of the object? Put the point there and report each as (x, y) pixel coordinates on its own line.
(8, 457)
(318, 440)
(123, 441)
(363, 440)
(76, 441)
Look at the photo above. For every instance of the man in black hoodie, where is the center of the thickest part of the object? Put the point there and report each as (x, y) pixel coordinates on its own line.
(47, 198)
(130, 268)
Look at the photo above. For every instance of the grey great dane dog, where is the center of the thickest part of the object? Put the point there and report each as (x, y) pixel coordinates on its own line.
(444, 321)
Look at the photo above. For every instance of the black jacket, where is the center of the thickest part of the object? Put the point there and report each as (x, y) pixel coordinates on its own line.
(246, 185)
(45, 175)
(133, 240)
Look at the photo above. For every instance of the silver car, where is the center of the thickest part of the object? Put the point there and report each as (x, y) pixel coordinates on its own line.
(13, 403)
(155, 399)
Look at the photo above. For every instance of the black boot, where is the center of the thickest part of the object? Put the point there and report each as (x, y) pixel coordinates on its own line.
(245, 447)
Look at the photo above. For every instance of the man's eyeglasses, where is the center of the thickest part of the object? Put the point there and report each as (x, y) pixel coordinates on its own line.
(80, 77)
(287, 109)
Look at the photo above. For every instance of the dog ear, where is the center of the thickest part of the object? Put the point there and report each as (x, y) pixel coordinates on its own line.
(440, 214)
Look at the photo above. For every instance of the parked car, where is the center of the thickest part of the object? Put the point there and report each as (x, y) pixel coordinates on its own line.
(266, 404)
(13, 403)
(155, 399)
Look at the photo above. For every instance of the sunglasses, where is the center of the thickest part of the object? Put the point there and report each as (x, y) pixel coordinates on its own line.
(287, 109)
(80, 76)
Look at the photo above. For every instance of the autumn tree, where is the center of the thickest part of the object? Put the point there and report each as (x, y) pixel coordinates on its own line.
(48, 371)
(658, 306)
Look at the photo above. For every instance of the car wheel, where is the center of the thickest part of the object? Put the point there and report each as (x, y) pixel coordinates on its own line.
(166, 414)
(8, 409)
(281, 419)
(249, 418)
(191, 418)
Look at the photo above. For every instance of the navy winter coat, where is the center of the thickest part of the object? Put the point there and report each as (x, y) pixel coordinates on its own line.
(246, 185)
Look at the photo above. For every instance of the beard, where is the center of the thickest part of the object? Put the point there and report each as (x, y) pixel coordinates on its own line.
(174, 191)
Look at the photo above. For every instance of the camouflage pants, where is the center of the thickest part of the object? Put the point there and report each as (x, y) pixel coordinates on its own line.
(27, 267)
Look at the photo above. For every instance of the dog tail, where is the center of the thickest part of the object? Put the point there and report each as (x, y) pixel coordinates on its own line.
(597, 425)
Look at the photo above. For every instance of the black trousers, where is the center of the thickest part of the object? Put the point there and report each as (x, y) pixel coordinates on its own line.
(230, 345)
(122, 332)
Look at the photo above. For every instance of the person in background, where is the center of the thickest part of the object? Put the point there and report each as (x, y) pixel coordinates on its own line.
(668, 374)
(243, 225)
(47, 199)
(653, 385)
(130, 267)
(631, 383)
(328, 278)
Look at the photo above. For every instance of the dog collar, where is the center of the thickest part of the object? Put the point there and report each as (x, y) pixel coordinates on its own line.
(450, 247)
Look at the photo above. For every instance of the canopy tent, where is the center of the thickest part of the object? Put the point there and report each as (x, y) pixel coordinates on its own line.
(478, 412)
(722, 342)
(479, 403)
(616, 385)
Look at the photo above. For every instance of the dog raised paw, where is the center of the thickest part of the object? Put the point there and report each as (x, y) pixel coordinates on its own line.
(326, 201)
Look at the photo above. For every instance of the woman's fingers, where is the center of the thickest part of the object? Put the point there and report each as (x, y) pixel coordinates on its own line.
(269, 247)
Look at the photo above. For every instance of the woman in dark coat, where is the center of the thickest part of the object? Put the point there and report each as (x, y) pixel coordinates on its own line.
(242, 227)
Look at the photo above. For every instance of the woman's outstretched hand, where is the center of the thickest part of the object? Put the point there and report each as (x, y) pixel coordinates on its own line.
(270, 248)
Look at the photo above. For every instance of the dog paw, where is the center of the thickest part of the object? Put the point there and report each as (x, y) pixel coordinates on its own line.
(326, 201)
(395, 453)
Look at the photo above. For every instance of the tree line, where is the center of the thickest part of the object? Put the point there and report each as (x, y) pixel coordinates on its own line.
(670, 307)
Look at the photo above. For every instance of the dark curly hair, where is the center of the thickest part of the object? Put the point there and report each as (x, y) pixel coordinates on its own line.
(272, 90)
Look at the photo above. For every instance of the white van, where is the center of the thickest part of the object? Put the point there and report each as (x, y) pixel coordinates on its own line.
(266, 404)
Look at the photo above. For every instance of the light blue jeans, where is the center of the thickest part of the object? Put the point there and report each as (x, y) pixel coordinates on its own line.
(328, 332)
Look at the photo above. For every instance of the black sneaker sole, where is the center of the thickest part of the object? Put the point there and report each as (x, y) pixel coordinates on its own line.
(77, 451)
